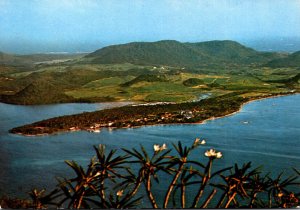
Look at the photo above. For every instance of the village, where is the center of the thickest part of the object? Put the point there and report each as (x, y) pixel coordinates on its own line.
(163, 118)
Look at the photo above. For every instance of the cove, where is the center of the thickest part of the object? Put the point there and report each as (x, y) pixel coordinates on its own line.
(265, 132)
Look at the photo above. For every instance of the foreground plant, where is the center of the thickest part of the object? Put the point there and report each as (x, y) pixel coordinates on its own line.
(123, 181)
(179, 160)
(150, 166)
(235, 184)
(41, 200)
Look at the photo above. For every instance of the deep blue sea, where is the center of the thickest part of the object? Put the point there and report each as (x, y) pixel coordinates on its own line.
(266, 132)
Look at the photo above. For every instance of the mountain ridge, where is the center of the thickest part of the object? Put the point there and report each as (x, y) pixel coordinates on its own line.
(292, 60)
(175, 53)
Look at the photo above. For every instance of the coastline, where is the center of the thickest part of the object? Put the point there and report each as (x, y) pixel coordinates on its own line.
(242, 105)
(149, 124)
(227, 115)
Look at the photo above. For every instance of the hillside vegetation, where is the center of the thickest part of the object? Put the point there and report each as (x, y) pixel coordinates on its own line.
(38, 93)
(174, 53)
(292, 60)
(193, 82)
(147, 71)
(145, 78)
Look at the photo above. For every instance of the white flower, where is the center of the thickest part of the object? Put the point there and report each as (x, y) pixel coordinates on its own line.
(219, 155)
(156, 147)
(213, 154)
(120, 193)
(210, 153)
(198, 142)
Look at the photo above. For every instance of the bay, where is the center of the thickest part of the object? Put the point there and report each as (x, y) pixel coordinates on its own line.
(265, 132)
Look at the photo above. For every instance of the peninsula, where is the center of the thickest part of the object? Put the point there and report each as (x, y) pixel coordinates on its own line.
(140, 115)
(172, 76)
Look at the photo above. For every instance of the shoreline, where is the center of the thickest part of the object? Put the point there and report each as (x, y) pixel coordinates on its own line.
(227, 115)
(242, 105)
(56, 132)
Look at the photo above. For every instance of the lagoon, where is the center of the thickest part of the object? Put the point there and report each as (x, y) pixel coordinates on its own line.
(265, 132)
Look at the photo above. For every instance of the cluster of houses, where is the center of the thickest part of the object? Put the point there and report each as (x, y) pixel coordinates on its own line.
(153, 104)
(164, 117)
(96, 128)
(150, 119)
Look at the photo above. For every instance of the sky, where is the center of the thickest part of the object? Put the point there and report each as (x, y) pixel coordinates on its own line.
(32, 26)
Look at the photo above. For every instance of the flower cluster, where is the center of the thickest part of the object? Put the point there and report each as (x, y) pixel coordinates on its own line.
(198, 142)
(212, 153)
(158, 148)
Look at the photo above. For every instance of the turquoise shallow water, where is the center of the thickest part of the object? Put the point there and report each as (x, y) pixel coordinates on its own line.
(265, 132)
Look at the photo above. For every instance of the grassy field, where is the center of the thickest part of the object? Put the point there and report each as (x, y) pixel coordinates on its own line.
(124, 82)
(165, 70)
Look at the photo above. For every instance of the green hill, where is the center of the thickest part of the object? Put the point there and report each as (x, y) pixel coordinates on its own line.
(193, 82)
(232, 52)
(174, 53)
(145, 78)
(293, 60)
(149, 53)
(37, 93)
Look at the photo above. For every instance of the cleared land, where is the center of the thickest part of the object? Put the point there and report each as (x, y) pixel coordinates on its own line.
(97, 82)
(147, 71)
(164, 71)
